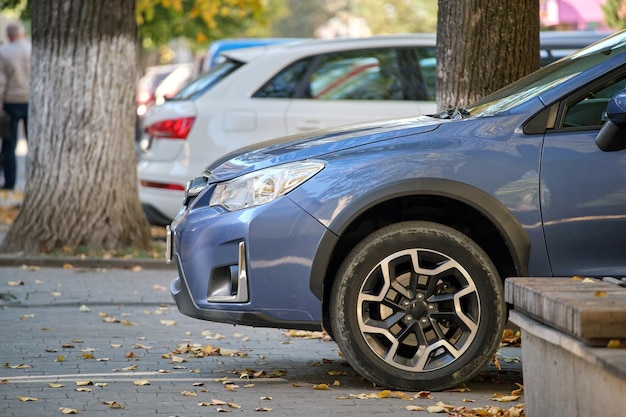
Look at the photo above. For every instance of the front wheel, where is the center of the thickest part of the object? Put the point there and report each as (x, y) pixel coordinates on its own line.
(417, 306)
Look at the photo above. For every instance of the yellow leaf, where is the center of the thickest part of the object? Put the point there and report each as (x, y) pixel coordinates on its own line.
(336, 384)
(83, 383)
(504, 398)
(27, 398)
(189, 394)
(83, 308)
(436, 409)
(60, 358)
(66, 410)
(414, 408)
(321, 387)
(114, 405)
(168, 322)
(234, 405)
(15, 283)
(88, 356)
(615, 344)
(141, 382)
(600, 294)
(53, 385)
(67, 266)
(384, 394)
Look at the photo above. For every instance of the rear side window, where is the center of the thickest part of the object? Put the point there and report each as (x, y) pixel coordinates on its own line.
(373, 74)
(203, 83)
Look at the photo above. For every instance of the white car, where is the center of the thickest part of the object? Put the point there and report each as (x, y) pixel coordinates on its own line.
(270, 91)
(266, 92)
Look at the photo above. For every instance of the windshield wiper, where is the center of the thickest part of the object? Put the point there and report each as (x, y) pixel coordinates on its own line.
(453, 113)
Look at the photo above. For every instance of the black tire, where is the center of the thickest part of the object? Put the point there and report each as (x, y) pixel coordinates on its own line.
(427, 329)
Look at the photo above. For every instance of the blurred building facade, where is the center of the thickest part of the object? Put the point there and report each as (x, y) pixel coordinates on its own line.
(572, 14)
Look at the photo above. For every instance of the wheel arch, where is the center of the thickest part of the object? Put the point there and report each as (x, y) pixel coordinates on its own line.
(458, 205)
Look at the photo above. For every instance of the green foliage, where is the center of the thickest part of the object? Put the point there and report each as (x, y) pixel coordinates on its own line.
(615, 14)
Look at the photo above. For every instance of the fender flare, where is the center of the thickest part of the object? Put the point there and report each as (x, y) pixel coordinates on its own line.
(499, 215)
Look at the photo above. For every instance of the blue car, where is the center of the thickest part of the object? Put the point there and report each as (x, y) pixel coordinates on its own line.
(396, 236)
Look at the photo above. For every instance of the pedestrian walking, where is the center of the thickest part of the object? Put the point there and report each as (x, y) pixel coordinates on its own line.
(15, 59)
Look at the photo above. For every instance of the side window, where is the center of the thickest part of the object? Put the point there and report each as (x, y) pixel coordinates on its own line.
(589, 111)
(285, 83)
(357, 75)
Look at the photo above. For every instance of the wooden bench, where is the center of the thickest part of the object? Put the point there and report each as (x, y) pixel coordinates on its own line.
(567, 327)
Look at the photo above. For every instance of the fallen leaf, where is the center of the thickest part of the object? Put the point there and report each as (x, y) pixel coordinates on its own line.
(141, 382)
(336, 383)
(26, 316)
(414, 408)
(384, 394)
(127, 368)
(15, 283)
(189, 394)
(140, 346)
(66, 410)
(20, 366)
(600, 293)
(116, 345)
(168, 322)
(615, 344)
(54, 385)
(101, 384)
(158, 287)
(60, 358)
(24, 399)
(67, 266)
(265, 398)
(321, 387)
(83, 389)
(84, 309)
(114, 405)
(88, 356)
(264, 409)
(423, 394)
(83, 383)
(504, 398)
(466, 400)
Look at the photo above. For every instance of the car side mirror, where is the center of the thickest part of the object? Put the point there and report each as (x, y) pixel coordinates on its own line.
(612, 136)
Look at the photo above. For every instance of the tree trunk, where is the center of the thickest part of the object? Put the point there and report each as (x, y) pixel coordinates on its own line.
(81, 185)
(483, 45)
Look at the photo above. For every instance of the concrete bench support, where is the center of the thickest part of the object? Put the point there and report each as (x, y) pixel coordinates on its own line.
(566, 326)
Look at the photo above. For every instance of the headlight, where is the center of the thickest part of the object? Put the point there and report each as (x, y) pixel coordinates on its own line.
(264, 186)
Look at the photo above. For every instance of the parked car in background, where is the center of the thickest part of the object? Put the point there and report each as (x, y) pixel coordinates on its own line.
(157, 84)
(395, 236)
(266, 92)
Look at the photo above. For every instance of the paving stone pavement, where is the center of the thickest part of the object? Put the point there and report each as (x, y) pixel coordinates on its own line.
(115, 327)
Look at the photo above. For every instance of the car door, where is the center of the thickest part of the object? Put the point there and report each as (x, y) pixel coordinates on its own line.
(363, 85)
(583, 189)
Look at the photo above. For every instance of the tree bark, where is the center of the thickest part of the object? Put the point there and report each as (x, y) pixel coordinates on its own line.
(483, 45)
(81, 185)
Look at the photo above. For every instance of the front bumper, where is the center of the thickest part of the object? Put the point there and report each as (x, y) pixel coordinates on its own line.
(187, 306)
(249, 267)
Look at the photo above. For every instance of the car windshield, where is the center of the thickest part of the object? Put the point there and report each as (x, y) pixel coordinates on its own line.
(203, 83)
(548, 77)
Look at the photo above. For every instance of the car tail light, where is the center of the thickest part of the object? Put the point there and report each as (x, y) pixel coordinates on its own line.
(171, 128)
(165, 186)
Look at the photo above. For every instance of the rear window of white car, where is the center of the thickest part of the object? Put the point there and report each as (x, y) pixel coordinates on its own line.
(203, 83)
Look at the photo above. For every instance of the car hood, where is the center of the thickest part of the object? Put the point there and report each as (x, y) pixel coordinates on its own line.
(315, 144)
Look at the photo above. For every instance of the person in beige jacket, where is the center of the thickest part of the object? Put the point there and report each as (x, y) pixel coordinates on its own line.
(15, 64)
